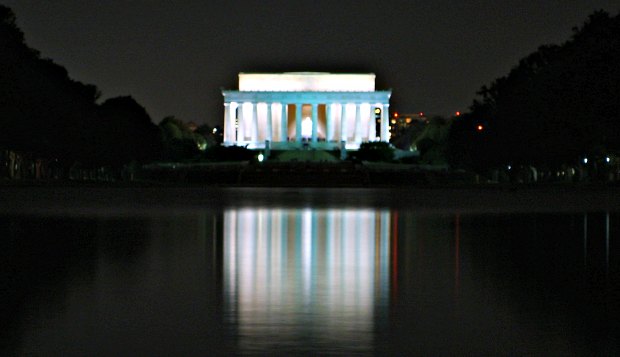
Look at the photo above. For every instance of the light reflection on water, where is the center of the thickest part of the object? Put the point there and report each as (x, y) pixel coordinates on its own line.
(316, 275)
(309, 281)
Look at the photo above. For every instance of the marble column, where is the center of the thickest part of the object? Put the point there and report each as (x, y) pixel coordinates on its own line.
(343, 122)
(283, 124)
(329, 130)
(228, 129)
(371, 124)
(358, 123)
(254, 121)
(298, 122)
(315, 121)
(269, 133)
(385, 119)
(240, 123)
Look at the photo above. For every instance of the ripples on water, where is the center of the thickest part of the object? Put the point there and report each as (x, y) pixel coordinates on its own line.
(301, 281)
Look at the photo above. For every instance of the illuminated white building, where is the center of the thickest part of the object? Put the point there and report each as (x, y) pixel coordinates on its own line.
(297, 109)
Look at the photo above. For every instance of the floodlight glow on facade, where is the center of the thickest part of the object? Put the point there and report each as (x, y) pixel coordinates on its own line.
(306, 82)
(330, 110)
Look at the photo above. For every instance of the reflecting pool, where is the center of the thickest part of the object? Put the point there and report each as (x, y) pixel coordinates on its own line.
(306, 280)
(333, 281)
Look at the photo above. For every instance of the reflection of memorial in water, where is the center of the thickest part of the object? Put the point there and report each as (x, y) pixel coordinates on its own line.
(319, 275)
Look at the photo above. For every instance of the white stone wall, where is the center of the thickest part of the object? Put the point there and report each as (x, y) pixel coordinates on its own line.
(306, 81)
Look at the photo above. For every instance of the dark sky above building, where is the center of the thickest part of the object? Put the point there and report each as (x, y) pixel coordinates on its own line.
(174, 56)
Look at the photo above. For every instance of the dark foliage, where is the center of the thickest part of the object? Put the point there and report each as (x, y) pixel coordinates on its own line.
(45, 113)
(180, 142)
(375, 151)
(127, 132)
(229, 153)
(558, 104)
(42, 110)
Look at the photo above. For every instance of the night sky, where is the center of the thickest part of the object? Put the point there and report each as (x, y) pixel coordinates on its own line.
(174, 56)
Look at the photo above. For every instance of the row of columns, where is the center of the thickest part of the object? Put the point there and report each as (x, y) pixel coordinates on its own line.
(234, 122)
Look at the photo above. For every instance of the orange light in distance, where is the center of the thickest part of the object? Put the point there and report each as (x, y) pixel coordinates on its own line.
(395, 115)
(458, 114)
(480, 127)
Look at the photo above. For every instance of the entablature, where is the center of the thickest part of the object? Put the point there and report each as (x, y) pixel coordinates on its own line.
(382, 97)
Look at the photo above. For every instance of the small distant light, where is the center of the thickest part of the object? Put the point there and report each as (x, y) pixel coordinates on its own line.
(585, 160)
(395, 114)
(261, 157)
(378, 111)
(214, 130)
(509, 167)
(421, 114)
(480, 127)
(393, 121)
(607, 159)
(458, 114)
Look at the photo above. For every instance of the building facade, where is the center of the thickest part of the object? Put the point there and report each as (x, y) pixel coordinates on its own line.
(305, 109)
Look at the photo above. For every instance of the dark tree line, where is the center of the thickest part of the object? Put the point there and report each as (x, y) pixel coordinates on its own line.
(557, 106)
(47, 114)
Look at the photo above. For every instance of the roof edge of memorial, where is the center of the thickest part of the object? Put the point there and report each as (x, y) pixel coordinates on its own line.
(312, 73)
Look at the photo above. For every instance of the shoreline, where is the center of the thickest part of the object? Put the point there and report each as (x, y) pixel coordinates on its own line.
(170, 199)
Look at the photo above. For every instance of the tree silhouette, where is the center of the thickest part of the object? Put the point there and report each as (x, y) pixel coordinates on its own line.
(46, 113)
(558, 104)
(126, 132)
(41, 109)
(180, 141)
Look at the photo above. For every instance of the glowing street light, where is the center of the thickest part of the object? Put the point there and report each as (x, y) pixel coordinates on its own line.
(261, 157)
(480, 127)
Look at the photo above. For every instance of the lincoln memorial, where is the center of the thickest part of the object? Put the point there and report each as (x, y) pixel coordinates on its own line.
(305, 109)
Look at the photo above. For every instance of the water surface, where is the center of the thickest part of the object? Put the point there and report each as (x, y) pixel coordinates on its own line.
(341, 280)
